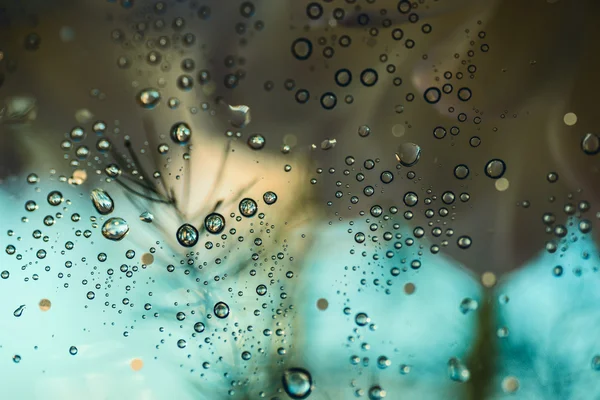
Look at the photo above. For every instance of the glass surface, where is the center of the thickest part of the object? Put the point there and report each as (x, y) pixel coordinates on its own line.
(285, 199)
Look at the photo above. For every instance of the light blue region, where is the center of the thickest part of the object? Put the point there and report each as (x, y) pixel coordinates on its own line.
(554, 323)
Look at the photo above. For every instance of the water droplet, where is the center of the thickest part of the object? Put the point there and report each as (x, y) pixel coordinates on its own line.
(19, 311)
(328, 144)
(457, 371)
(240, 116)
(146, 216)
(383, 362)
(468, 305)
(102, 201)
(495, 168)
(73, 350)
(261, 290)
(199, 327)
(590, 144)
(269, 198)
(464, 242)
(359, 237)
(343, 77)
(256, 141)
(55, 198)
(369, 77)
(248, 207)
(362, 319)
(297, 383)
(328, 100)
(214, 223)
(411, 199)
(221, 310)
(377, 393)
(115, 229)
(302, 48)
(461, 171)
(464, 94)
(148, 98)
(596, 363)
(408, 154)
(181, 133)
(364, 130)
(439, 132)
(432, 95)
(187, 235)
(246, 355)
(16, 358)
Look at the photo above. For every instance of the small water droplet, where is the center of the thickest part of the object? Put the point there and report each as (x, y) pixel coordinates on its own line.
(73, 350)
(256, 141)
(146, 216)
(495, 168)
(457, 371)
(102, 201)
(19, 311)
(364, 131)
(468, 305)
(328, 144)
(270, 198)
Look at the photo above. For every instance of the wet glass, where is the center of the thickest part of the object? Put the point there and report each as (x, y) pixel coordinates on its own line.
(329, 199)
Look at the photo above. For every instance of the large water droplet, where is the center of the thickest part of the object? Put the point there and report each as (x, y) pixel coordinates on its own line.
(187, 235)
(55, 198)
(214, 223)
(148, 98)
(297, 383)
(115, 229)
(181, 133)
(221, 310)
(102, 201)
(495, 168)
(239, 116)
(248, 207)
(408, 154)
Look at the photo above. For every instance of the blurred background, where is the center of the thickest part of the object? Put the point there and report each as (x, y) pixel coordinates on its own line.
(428, 157)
